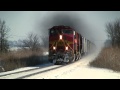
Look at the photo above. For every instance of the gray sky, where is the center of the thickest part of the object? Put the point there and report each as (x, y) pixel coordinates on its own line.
(23, 22)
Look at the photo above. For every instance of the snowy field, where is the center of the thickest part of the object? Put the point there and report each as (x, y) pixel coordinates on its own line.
(77, 70)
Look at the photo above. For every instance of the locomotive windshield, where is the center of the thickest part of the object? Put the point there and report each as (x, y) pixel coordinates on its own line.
(67, 31)
(54, 32)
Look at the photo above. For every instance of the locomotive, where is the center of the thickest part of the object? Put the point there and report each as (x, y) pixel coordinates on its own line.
(66, 45)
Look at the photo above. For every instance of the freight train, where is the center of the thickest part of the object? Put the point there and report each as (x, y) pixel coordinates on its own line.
(66, 45)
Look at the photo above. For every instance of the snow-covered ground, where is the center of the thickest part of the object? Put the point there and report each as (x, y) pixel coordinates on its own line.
(77, 70)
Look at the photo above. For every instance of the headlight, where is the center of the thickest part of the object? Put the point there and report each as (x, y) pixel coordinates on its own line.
(54, 48)
(66, 48)
(60, 37)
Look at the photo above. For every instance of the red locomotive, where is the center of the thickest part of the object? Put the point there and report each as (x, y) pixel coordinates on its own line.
(66, 45)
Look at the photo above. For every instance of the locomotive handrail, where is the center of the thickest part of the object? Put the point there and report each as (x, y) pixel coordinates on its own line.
(52, 45)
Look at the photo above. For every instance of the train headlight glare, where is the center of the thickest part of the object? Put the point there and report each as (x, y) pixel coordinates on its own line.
(60, 37)
(54, 48)
(66, 48)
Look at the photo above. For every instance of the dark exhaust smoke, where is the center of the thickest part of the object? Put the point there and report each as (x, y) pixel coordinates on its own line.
(71, 19)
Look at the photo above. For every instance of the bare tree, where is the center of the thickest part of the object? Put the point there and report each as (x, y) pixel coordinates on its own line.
(32, 42)
(4, 30)
(113, 31)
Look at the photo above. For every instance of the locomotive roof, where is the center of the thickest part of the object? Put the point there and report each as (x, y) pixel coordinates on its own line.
(61, 27)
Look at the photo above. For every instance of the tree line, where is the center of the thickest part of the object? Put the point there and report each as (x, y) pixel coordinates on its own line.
(32, 41)
(113, 32)
(4, 30)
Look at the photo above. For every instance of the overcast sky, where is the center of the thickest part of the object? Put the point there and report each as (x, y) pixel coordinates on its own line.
(23, 22)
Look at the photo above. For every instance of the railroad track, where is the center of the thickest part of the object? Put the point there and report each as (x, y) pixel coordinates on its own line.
(31, 72)
(54, 67)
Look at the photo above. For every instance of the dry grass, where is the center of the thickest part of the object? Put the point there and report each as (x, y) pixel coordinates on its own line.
(22, 58)
(108, 58)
